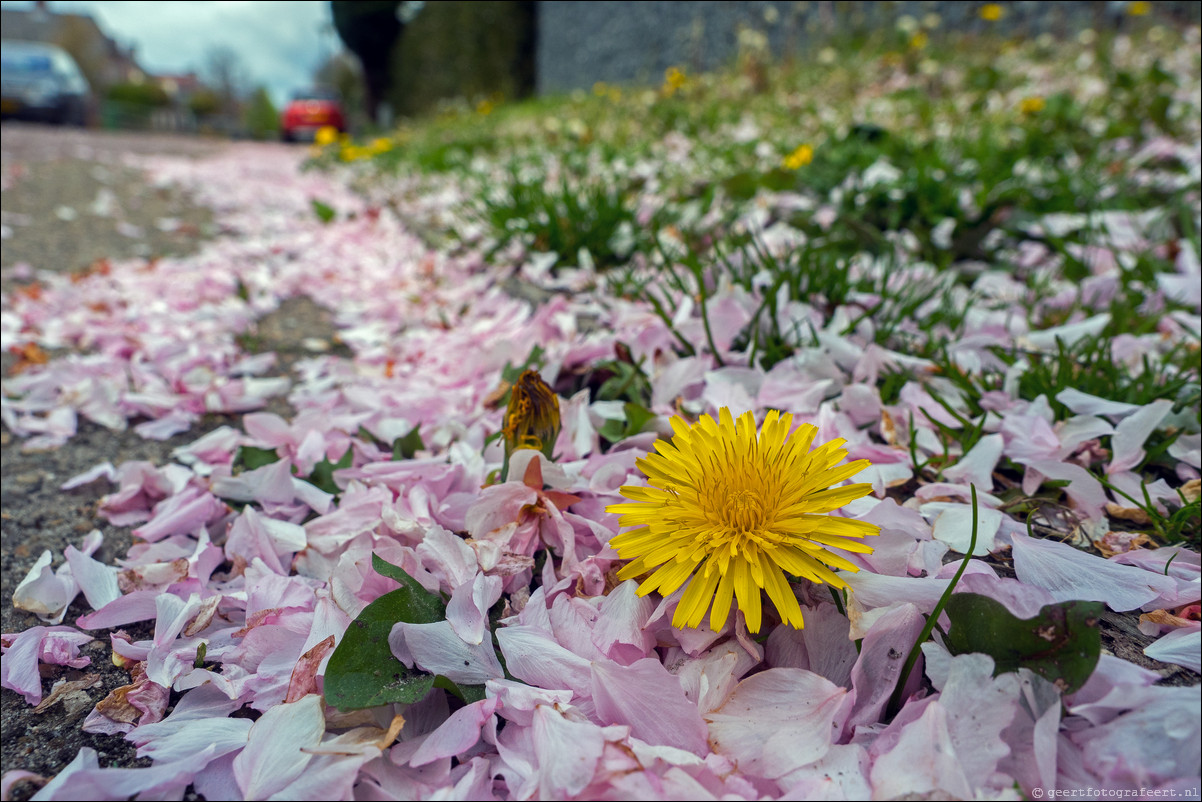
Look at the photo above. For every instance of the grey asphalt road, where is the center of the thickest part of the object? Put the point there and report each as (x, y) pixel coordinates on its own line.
(70, 198)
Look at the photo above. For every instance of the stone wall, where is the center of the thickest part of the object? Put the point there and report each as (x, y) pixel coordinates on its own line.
(580, 43)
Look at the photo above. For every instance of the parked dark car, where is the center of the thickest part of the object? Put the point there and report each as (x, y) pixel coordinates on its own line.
(310, 110)
(41, 82)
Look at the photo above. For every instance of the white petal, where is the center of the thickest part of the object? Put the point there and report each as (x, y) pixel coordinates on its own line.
(273, 756)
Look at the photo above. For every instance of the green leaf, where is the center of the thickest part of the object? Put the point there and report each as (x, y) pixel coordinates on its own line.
(249, 457)
(467, 693)
(323, 472)
(325, 213)
(637, 417)
(1061, 644)
(429, 606)
(405, 447)
(362, 671)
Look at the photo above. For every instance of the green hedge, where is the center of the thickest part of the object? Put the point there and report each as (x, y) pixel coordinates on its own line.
(456, 48)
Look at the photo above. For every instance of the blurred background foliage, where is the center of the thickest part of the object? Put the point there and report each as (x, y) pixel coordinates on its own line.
(464, 49)
(414, 55)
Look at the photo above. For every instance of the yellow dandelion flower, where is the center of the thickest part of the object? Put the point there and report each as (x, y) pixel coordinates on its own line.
(992, 12)
(919, 41)
(326, 135)
(803, 155)
(674, 79)
(1139, 8)
(735, 510)
(1032, 105)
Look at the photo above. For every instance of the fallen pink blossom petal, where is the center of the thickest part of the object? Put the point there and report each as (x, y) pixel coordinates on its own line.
(876, 673)
(11, 778)
(275, 752)
(824, 646)
(1181, 647)
(645, 697)
(130, 608)
(23, 651)
(181, 514)
(976, 467)
(438, 649)
(97, 580)
(1069, 574)
(564, 753)
(84, 779)
(921, 761)
(1086, 404)
(457, 734)
(1131, 433)
(104, 470)
(953, 525)
(467, 611)
(777, 721)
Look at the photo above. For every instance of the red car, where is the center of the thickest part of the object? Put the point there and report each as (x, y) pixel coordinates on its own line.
(310, 110)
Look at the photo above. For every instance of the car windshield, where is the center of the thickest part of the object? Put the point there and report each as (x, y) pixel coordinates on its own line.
(25, 62)
(316, 94)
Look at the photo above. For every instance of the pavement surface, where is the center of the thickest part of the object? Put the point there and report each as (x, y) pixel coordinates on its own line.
(70, 198)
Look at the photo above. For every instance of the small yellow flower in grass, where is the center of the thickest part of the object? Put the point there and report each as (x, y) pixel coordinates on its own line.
(919, 41)
(326, 135)
(1139, 8)
(735, 510)
(992, 12)
(1032, 105)
(674, 79)
(803, 155)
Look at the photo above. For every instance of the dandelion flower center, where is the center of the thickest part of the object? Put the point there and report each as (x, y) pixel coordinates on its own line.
(732, 510)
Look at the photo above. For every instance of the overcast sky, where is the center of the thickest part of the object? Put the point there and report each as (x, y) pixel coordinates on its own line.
(279, 42)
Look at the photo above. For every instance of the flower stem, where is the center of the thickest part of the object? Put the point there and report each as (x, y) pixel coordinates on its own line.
(895, 701)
